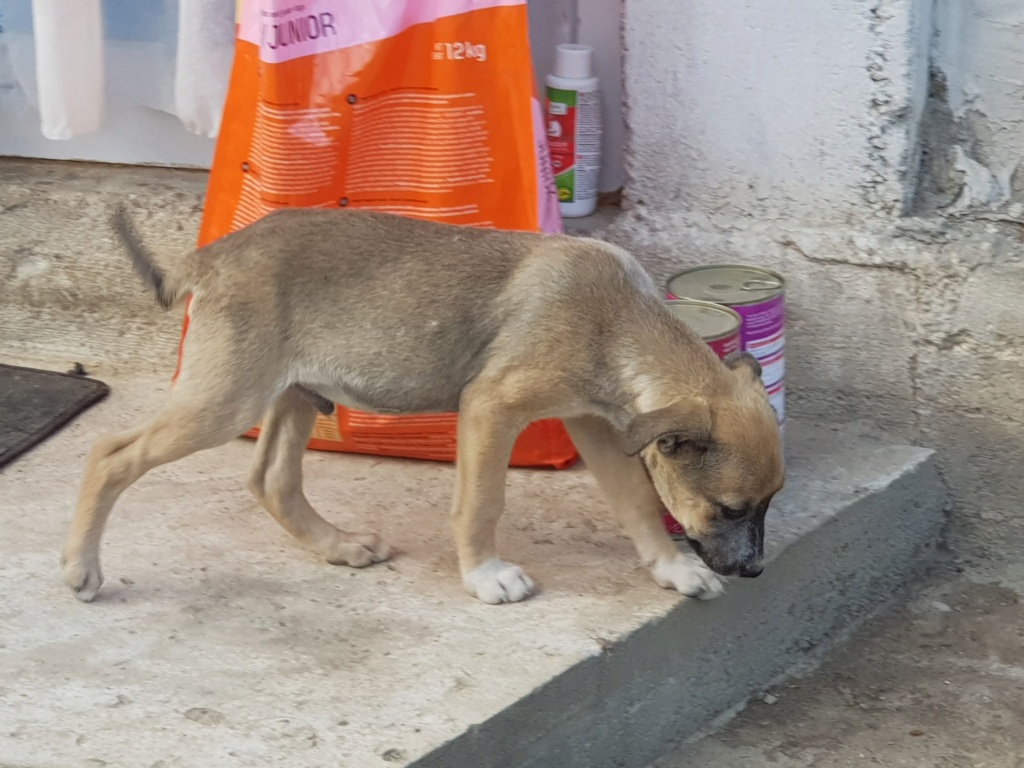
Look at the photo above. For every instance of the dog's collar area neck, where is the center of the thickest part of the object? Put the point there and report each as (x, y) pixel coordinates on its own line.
(675, 529)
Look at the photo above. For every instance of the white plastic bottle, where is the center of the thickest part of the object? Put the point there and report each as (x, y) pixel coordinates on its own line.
(573, 117)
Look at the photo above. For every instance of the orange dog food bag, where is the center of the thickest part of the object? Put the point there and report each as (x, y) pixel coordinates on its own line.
(422, 108)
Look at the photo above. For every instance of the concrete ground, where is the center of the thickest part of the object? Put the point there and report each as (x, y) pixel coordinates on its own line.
(935, 683)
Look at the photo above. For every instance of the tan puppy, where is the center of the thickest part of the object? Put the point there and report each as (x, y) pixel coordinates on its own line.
(305, 308)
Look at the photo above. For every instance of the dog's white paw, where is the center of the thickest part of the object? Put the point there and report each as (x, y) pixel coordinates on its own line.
(83, 577)
(497, 582)
(688, 575)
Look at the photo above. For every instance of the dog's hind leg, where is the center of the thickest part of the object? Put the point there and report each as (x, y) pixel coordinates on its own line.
(276, 482)
(200, 415)
(632, 496)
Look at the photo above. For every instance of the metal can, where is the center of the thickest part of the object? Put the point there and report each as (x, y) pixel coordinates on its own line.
(718, 326)
(759, 297)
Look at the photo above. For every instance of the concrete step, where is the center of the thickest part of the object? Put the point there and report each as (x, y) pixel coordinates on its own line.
(217, 641)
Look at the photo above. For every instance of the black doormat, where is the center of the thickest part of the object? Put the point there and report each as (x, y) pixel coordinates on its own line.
(35, 404)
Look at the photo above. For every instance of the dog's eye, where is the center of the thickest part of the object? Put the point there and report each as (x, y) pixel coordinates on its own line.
(670, 444)
(729, 513)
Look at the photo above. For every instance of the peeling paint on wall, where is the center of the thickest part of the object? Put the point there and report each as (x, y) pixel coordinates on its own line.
(981, 187)
(972, 132)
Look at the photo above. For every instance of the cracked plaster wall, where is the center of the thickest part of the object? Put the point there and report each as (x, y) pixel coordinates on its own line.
(974, 139)
(819, 137)
(805, 109)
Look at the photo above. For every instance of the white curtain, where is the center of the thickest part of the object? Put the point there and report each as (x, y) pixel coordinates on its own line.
(77, 67)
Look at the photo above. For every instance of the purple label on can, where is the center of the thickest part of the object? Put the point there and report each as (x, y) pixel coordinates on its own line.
(762, 321)
(764, 336)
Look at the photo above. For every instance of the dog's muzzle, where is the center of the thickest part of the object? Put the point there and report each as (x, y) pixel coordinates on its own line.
(732, 550)
(751, 571)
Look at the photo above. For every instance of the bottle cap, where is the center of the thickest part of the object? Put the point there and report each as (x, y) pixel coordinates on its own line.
(572, 61)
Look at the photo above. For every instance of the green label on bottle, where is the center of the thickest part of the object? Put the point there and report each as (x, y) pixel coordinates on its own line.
(574, 138)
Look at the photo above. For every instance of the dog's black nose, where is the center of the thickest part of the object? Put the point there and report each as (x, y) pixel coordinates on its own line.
(751, 571)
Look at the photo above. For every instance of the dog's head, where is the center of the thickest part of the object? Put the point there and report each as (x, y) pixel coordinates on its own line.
(716, 464)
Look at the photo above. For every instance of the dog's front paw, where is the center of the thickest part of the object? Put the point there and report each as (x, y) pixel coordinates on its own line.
(83, 577)
(688, 575)
(497, 582)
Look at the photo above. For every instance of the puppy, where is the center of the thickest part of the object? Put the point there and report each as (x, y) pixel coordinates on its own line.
(306, 308)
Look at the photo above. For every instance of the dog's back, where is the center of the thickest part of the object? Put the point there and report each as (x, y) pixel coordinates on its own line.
(396, 314)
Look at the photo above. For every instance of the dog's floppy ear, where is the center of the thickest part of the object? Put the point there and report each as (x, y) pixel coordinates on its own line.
(743, 360)
(684, 424)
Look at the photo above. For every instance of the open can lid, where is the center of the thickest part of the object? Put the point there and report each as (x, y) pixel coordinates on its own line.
(729, 284)
(710, 321)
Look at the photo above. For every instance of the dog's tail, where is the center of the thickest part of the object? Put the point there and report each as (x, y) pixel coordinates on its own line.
(167, 292)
